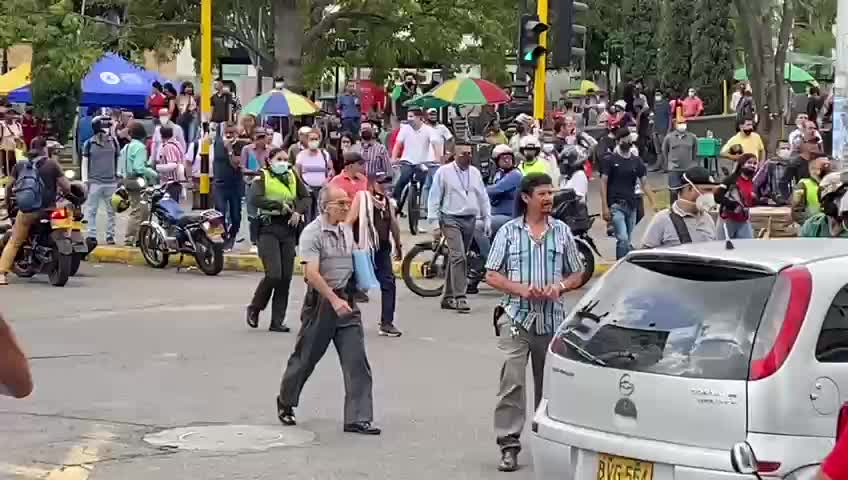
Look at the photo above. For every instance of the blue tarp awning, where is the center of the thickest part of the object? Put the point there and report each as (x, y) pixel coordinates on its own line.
(112, 82)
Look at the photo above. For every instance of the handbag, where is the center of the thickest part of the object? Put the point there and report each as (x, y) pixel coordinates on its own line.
(363, 256)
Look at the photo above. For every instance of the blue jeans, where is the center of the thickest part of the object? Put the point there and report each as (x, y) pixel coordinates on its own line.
(406, 171)
(97, 193)
(228, 202)
(675, 180)
(623, 222)
(736, 230)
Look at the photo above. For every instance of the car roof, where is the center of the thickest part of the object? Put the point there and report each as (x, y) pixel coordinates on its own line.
(770, 255)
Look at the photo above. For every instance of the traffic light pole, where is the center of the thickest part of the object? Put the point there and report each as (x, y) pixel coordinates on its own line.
(541, 65)
(205, 98)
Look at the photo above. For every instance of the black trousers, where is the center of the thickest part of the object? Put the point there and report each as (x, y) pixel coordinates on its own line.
(320, 325)
(276, 250)
(388, 289)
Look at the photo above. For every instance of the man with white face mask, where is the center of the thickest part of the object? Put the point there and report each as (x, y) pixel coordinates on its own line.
(688, 219)
(165, 121)
(680, 149)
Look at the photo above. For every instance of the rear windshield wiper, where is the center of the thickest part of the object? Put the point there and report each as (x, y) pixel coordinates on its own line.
(581, 351)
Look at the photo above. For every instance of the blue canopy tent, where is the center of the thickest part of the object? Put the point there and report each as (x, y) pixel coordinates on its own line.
(111, 82)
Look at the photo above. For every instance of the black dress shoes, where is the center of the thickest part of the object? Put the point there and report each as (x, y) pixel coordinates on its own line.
(362, 428)
(285, 414)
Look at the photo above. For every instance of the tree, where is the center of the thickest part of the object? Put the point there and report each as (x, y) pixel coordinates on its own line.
(675, 56)
(761, 23)
(712, 52)
(639, 59)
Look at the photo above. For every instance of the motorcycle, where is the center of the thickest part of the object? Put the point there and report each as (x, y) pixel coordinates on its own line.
(168, 231)
(425, 266)
(54, 242)
(569, 208)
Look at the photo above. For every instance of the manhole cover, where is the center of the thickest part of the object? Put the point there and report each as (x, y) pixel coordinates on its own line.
(230, 438)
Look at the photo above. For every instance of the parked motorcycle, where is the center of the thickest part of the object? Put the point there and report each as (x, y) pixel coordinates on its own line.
(54, 243)
(569, 208)
(168, 231)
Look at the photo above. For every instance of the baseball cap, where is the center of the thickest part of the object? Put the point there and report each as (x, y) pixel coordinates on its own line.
(699, 176)
(353, 157)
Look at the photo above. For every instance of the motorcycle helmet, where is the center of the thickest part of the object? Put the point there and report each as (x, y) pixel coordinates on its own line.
(500, 150)
(831, 191)
(120, 200)
(570, 160)
(530, 142)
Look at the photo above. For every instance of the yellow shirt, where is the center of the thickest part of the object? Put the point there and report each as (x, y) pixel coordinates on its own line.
(750, 144)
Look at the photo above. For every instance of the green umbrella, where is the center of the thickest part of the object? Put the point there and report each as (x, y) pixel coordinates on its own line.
(791, 73)
(426, 101)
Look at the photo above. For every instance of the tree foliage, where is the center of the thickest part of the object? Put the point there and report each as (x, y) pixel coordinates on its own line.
(639, 58)
(712, 52)
(675, 56)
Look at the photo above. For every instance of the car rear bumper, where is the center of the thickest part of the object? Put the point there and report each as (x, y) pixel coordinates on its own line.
(567, 452)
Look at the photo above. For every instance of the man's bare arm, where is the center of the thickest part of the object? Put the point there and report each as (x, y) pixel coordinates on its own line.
(14, 369)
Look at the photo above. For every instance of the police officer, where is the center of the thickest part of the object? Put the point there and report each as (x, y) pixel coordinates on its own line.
(282, 199)
(330, 314)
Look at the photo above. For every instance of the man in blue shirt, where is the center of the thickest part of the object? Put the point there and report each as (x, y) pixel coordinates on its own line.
(349, 109)
(503, 192)
(533, 261)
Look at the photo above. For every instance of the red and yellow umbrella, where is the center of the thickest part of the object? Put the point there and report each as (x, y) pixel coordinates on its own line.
(470, 91)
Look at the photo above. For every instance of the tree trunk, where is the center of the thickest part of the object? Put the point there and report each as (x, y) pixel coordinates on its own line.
(289, 22)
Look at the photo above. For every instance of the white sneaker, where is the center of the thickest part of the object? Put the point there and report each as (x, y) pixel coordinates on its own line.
(423, 229)
(254, 249)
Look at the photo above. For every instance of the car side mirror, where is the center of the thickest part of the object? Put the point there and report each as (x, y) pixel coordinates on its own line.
(743, 459)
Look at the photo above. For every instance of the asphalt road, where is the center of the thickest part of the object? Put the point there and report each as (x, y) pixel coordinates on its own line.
(124, 352)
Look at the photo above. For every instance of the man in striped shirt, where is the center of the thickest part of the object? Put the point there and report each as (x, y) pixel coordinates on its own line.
(374, 153)
(534, 261)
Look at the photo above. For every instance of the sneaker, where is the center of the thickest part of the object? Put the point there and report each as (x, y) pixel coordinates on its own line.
(362, 428)
(254, 249)
(462, 305)
(423, 229)
(3, 279)
(279, 329)
(285, 414)
(389, 331)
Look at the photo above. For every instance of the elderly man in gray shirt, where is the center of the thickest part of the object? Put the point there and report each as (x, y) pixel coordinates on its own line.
(457, 201)
(330, 315)
(680, 149)
(688, 219)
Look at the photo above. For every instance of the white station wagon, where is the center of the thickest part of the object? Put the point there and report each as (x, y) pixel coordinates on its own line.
(700, 362)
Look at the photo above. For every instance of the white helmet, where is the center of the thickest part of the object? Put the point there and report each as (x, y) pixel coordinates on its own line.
(530, 141)
(500, 150)
(524, 118)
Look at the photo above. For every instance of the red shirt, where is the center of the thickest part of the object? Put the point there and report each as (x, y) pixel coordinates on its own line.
(746, 191)
(692, 107)
(155, 102)
(835, 465)
(350, 185)
(31, 128)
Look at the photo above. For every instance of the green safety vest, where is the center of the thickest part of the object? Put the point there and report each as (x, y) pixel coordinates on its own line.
(538, 166)
(811, 191)
(278, 191)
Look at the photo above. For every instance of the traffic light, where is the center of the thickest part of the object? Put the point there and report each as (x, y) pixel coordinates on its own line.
(529, 47)
(568, 36)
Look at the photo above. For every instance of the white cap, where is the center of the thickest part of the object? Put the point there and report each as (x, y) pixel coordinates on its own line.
(304, 131)
(529, 141)
(621, 104)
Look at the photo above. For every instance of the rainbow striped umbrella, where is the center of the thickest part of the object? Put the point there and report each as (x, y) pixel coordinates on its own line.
(281, 103)
(469, 91)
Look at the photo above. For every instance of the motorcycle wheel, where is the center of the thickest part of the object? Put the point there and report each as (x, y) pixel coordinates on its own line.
(431, 271)
(587, 257)
(151, 248)
(76, 260)
(413, 208)
(209, 256)
(20, 272)
(61, 269)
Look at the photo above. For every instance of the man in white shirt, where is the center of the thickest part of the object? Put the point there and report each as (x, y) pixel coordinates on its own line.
(416, 141)
(165, 121)
(443, 138)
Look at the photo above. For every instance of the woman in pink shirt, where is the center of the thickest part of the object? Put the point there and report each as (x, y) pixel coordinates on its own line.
(315, 168)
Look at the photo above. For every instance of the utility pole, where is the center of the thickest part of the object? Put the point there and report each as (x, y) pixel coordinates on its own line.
(840, 88)
(541, 65)
(205, 97)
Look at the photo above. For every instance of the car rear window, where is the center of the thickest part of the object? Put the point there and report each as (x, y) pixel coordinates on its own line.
(670, 318)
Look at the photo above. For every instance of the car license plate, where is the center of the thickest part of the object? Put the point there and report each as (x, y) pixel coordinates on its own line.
(611, 467)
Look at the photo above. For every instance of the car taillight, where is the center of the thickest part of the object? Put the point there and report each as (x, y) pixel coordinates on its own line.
(58, 214)
(782, 321)
(767, 467)
(842, 420)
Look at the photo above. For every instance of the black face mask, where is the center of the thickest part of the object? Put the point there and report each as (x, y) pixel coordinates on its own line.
(748, 171)
(367, 135)
(747, 131)
(625, 146)
(410, 83)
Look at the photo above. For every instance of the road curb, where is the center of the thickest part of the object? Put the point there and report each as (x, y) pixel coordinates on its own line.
(237, 262)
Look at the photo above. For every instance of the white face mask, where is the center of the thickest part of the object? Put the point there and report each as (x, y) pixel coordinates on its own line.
(314, 144)
(548, 148)
(783, 153)
(691, 93)
(164, 120)
(681, 127)
(706, 202)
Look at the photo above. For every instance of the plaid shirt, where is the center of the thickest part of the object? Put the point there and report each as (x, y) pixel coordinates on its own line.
(376, 158)
(524, 260)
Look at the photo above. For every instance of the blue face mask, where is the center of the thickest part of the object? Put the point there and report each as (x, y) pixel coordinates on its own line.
(280, 168)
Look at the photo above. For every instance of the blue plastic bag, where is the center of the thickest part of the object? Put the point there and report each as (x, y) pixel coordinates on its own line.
(363, 268)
